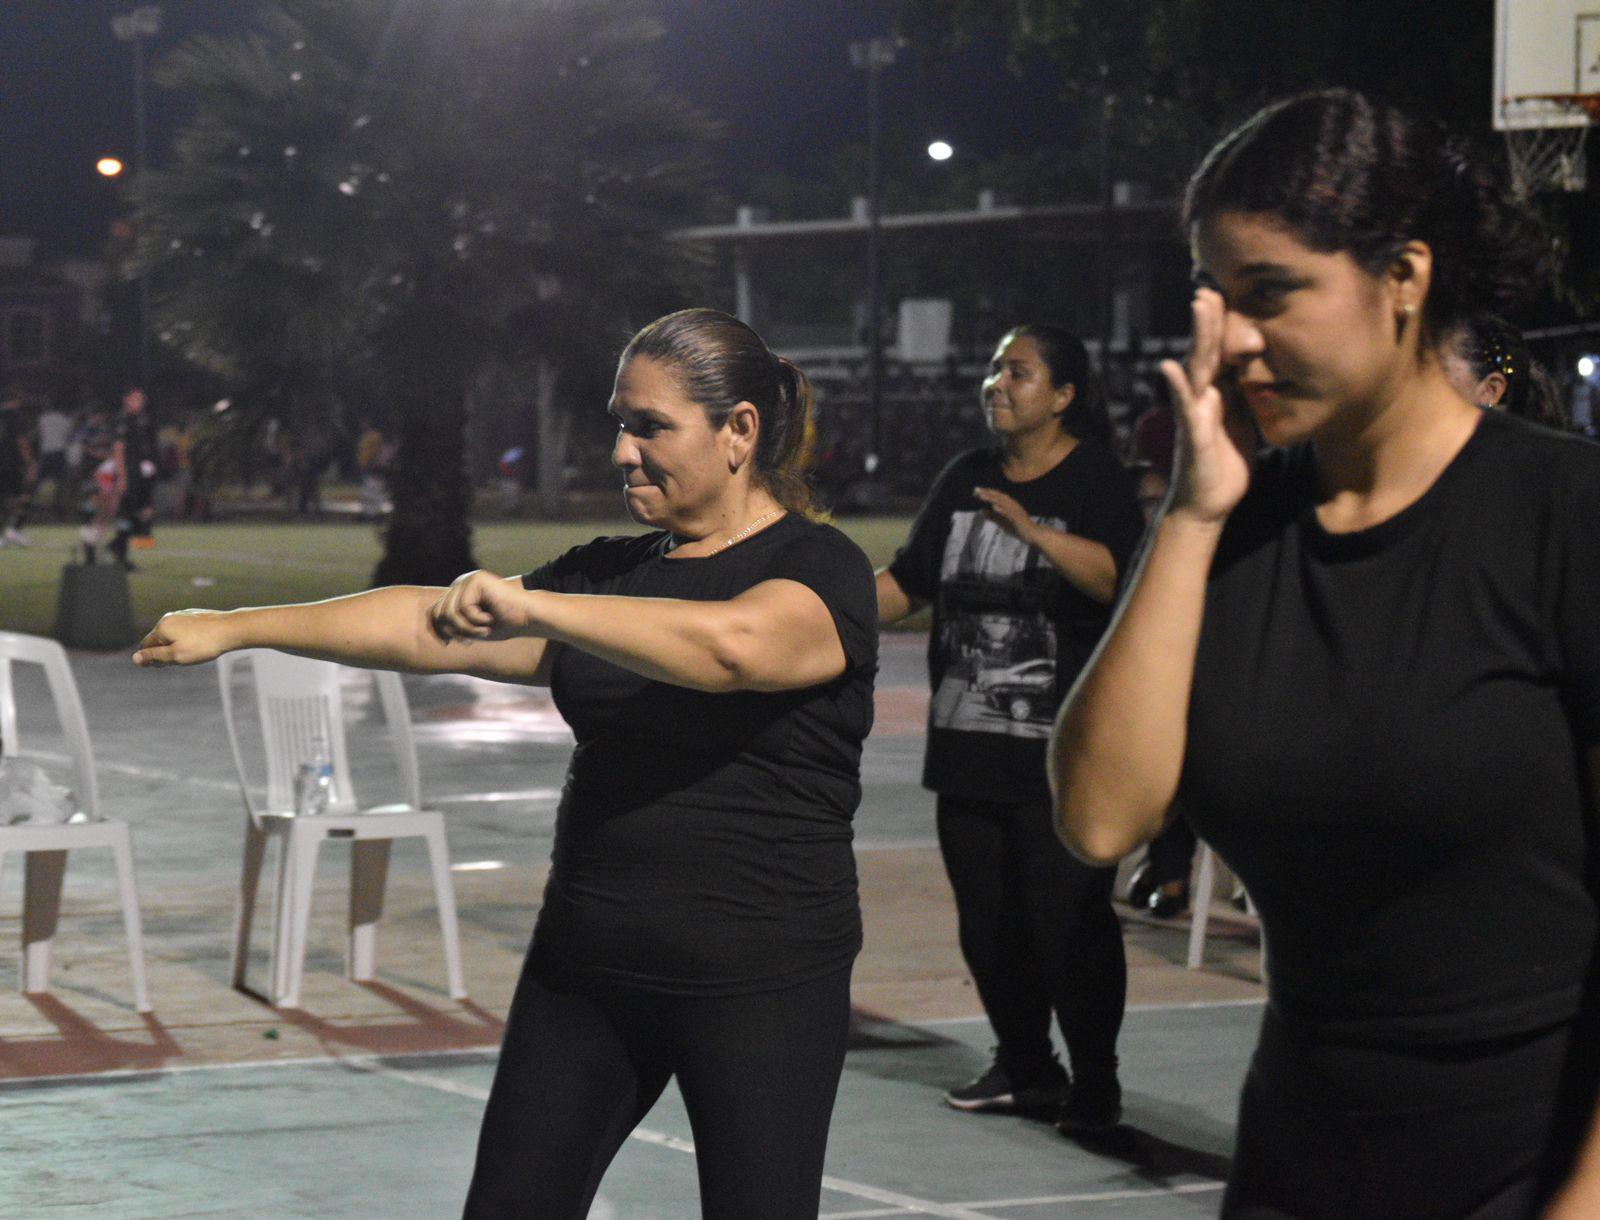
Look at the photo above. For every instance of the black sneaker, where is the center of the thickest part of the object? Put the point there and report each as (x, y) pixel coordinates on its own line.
(1094, 1106)
(994, 1091)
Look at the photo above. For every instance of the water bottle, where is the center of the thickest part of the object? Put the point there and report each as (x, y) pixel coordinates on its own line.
(313, 781)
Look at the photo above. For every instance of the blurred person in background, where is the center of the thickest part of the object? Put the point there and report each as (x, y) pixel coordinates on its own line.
(55, 435)
(18, 469)
(1489, 364)
(135, 459)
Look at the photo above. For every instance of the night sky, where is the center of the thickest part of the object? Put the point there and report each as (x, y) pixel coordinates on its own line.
(776, 72)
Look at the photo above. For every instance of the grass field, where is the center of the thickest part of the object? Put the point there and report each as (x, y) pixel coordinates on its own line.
(227, 565)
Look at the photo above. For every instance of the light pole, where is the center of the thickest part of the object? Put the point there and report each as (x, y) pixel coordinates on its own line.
(872, 55)
(135, 27)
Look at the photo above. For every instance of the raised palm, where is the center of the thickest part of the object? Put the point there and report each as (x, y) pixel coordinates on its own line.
(1216, 444)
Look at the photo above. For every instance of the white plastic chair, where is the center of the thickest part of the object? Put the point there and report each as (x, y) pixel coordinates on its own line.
(1205, 893)
(299, 700)
(45, 848)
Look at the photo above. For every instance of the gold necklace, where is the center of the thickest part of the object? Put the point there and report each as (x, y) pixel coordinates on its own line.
(747, 530)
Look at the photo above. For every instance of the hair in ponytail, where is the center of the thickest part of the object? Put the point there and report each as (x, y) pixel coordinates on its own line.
(720, 362)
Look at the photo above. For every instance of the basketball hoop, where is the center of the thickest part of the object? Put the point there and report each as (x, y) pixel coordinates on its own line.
(1552, 158)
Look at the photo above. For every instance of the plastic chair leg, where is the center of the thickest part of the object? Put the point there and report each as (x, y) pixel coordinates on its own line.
(282, 915)
(122, 849)
(302, 872)
(369, 874)
(41, 911)
(244, 910)
(1204, 893)
(444, 895)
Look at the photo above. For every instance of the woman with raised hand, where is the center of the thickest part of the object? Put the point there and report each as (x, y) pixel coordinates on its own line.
(701, 915)
(1018, 548)
(1368, 661)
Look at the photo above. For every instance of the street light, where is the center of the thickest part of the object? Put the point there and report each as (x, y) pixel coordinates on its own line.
(940, 150)
(135, 27)
(872, 56)
(108, 167)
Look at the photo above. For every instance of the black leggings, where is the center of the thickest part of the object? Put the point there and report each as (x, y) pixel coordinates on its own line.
(1038, 933)
(577, 1073)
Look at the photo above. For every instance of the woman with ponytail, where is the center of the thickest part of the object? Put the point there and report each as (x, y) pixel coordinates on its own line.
(701, 917)
(1018, 548)
(1361, 648)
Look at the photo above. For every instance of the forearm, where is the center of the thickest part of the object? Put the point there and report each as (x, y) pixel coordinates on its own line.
(894, 603)
(380, 629)
(1119, 739)
(1087, 565)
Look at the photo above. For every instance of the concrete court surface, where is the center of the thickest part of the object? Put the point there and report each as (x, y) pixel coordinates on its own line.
(324, 1112)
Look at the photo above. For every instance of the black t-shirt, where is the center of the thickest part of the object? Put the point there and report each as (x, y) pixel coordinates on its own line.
(1009, 632)
(703, 840)
(1386, 735)
(13, 430)
(138, 436)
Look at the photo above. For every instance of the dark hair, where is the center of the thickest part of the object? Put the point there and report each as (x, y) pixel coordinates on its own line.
(1068, 361)
(1348, 174)
(720, 362)
(1490, 344)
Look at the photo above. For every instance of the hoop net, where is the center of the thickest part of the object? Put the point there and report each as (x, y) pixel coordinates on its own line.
(1552, 158)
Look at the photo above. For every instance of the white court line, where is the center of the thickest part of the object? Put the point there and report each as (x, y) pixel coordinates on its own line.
(1177, 1006)
(898, 1204)
(906, 1203)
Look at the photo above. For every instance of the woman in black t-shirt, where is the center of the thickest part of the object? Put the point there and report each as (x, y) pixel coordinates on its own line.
(1368, 662)
(1018, 548)
(701, 916)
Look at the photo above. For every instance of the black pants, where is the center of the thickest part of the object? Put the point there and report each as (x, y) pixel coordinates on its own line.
(1038, 934)
(577, 1073)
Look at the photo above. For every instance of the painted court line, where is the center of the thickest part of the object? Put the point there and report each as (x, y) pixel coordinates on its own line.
(1101, 1196)
(1183, 1006)
(906, 1203)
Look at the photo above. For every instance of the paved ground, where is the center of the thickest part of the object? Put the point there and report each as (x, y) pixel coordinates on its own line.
(289, 1107)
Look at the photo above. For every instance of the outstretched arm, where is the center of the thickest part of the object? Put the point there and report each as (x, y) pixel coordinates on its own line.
(387, 628)
(777, 635)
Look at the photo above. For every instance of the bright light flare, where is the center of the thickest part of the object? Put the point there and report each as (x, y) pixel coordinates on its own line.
(941, 150)
(108, 167)
(1587, 366)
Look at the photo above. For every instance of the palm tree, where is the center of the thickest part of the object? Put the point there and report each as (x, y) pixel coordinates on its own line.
(395, 201)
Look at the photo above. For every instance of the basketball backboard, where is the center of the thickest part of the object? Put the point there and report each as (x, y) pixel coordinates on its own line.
(1544, 47)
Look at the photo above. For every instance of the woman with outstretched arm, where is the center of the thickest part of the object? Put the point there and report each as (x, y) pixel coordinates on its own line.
(701, 916)
(1368, 662)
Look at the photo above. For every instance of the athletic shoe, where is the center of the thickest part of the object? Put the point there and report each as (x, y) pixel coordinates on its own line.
(1093, 1106)
(994, 1091)
(16, 537)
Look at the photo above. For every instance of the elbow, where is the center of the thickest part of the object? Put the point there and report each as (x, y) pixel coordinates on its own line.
(1097, 846)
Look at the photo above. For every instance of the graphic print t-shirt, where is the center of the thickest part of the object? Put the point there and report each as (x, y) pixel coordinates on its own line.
(1009, 633)
(703, 840)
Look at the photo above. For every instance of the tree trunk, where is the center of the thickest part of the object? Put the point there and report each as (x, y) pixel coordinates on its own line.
(429, 537)
(554, 431)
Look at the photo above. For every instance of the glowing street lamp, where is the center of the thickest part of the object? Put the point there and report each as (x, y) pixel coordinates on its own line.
(108, 167)
(940, 150)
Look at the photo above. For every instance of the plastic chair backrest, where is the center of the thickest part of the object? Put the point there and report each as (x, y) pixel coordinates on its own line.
(52, 658)
(297, 697)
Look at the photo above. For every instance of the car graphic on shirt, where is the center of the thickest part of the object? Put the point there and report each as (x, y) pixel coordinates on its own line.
(1022, 692)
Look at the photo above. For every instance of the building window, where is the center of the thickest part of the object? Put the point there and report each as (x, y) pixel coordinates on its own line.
(27, 337)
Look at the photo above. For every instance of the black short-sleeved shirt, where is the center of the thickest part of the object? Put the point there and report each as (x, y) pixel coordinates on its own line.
(1386, 736)
(1009, 632)
(703, 840)
(13, 431)
(138, 436)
